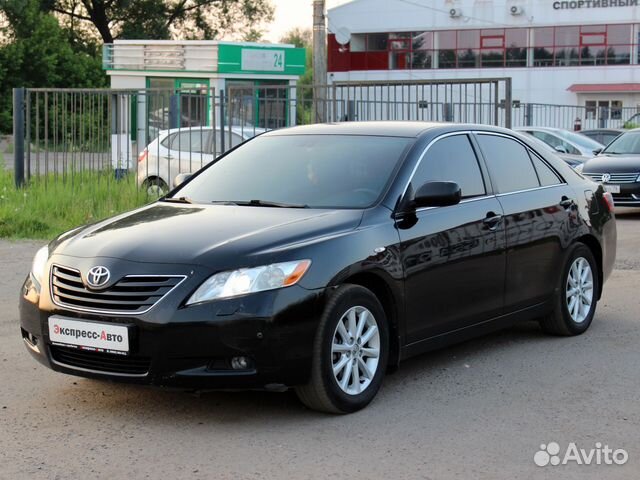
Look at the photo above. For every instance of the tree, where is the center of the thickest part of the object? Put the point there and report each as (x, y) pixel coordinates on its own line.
(164, 19)
(37, 52)
(300, 37)
(303, 38)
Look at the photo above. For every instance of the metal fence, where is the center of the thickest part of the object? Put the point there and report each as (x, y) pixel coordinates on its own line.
(149, 136)
(568, 116)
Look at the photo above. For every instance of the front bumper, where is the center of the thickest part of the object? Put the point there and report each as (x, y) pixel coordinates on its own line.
(629, 195)
(191, 347)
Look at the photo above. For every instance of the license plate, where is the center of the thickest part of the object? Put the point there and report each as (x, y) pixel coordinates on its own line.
(99, 337)
(612, 188)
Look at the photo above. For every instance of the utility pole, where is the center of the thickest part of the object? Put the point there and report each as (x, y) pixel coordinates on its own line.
(319, 61)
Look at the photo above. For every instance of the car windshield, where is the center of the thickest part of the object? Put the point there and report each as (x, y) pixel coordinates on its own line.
(314, 171)
(581, 140)
(626, 144)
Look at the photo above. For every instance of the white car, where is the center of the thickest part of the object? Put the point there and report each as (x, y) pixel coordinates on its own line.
(184, 150)
(564, 141)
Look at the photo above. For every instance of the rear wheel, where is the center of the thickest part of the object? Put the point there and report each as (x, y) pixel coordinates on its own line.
(350, 353)
(155, 187)
(577, 297)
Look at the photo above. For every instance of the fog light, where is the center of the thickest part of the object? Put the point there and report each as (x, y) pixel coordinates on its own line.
(240, 363)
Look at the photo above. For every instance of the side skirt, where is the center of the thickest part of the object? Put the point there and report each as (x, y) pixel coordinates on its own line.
(476, 330)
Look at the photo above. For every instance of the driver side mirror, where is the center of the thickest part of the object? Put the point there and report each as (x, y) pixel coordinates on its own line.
(597, 151)
(181, 178)
(437, 194)
(561, 149)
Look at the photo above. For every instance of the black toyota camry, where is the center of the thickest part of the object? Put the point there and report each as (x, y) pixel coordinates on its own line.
(320, 257)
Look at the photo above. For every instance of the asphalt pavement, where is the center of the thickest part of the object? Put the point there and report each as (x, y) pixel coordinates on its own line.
(478, 410)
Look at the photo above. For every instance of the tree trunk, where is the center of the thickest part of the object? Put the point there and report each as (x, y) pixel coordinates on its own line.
(98, 13)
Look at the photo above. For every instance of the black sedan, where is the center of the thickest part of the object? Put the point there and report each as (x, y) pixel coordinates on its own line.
(602, 135)
(617, 167)
(320, 257)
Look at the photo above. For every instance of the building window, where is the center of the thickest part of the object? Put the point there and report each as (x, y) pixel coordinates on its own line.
(591, 45)
(619, 44)
(603, 109)
(586, 45)
(543, 41)
(467, 48)
(377, 42)
(447, 51)
(492, 48)
(516, 43)
(422, 48)
(495, 48)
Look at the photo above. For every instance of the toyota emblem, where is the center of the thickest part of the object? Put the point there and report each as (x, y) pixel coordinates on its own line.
(606, 177)
(98, 276)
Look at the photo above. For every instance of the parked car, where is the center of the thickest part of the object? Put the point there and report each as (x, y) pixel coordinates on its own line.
(184, 150)
(564, 141)
(572, 160)
(618, 169)
(633, 121)
(603, 135)
(319, 257)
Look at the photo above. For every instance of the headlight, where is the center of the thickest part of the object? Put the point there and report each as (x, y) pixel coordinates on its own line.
(39, 264)
(250, 280)
(578, 168)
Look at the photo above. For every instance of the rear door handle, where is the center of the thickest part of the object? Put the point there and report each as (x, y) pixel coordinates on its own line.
(492, 220)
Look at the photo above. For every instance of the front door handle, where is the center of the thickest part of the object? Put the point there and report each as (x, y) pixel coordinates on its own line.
(492, 220)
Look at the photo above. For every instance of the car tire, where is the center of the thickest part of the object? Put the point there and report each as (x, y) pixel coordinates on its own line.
(577, 294)
(155, 187)
(362, 341)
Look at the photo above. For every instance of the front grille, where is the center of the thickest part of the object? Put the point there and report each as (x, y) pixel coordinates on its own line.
(100, 362)
(133, 294)
(615, 177)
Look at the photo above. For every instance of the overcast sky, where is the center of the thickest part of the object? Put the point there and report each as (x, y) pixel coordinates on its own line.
(291, 14)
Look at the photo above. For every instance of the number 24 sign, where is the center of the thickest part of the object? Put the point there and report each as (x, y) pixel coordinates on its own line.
(263, 60)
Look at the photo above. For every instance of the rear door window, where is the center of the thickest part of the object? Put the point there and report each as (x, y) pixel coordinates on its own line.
(509, 164)
(235, 141)
(190, 141)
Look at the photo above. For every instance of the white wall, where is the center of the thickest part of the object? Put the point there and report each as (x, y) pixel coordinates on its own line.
(530, 85)
(128, 81)
(366, 16)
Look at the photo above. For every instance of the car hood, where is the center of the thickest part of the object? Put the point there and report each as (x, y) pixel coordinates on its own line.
(613, 164)
(209, 235)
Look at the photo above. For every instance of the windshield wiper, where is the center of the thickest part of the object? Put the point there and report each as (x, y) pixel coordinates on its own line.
(177, 200)
(265, 203)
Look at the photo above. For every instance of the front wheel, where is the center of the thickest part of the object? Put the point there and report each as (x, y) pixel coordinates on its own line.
(575, 304)
(350, 353)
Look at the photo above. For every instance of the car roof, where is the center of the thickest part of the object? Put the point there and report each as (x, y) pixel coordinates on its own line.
(378, 128)
(603, 130)
(244, 131)
(545, 129)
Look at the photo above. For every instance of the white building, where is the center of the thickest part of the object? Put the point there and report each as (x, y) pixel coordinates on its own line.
(579, 52)
(195, 72)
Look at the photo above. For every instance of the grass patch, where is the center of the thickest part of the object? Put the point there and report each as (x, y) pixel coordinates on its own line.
(52, 204)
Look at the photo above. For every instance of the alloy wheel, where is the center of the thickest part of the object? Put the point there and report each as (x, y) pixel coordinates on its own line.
(579, 290)
(355, 350)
